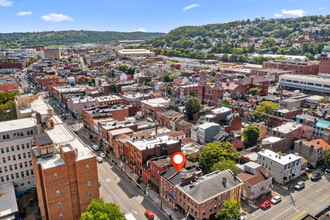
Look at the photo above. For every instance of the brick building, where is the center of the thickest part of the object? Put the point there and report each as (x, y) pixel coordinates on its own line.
(270, 74)
(164, 118)
(8, 85)
(151, 106)
(141, 150)
(65, 173)
(297, 67)
(290, 132)
(200, 197)
(325, 60)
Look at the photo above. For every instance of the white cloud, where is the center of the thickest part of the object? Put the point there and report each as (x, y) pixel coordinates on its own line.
(190, 7)
(296, 12)
(23, 13)
(53, 17)
(5, 3)
(321, 8)
(278, 15)
(140, 30)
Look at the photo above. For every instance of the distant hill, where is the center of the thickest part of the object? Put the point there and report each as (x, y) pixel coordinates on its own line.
(49, 38)
(278, 36)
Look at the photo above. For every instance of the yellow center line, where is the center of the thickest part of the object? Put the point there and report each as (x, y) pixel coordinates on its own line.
(325, 197)
(299, 215)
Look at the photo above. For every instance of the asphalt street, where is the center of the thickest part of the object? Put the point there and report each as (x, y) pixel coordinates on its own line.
(311, 200)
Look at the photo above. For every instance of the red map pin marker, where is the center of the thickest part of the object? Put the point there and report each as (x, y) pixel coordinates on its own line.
(178, 160)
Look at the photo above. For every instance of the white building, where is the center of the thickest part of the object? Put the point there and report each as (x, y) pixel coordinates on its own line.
(306, 83)
(16, 139)
(135, 53)
(283, 168)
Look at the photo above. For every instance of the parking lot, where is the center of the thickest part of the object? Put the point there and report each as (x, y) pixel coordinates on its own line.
(295, 204)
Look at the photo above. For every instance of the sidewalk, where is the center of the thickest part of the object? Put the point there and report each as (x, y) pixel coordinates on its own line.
(152, 195)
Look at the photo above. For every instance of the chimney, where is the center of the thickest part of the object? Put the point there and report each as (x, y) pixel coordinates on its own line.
(224, 180)
(38, 117)
(281, 96)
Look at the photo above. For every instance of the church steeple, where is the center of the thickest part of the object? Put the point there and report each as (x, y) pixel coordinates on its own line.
(218, 80)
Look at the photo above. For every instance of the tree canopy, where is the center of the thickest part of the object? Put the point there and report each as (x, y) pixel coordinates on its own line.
(7, 106)
(327, 157)
(193, 105)
(230, 210)
(98, 209)
(123, 68)
(250, 135)
(254, 91)
(225, 165)
(212, 153)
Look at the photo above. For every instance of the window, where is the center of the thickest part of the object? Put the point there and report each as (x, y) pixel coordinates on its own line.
(7, 177)
(88, 183)
(24, 155)
(58, 193)
(4, 160)
(22, 174)
(5, 168)
(22, 184)
(203, 213)
(59, 204)
(32, 172)
(10, 167)
(17, 148)
(14, 157)
(27, 173)
(55, 175)
(26, 164)
(20, 165)
(2, 150)
(23, 146)
(61, 216)
(9, 158)
(19, 156)
(30, 162)
(12, 148)
(2, 179)
(87, 167)
(12, 176)
(0, 170)
(17, 175)
(90, 195)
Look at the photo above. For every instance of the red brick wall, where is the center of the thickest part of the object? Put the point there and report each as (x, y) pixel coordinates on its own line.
(8, 87)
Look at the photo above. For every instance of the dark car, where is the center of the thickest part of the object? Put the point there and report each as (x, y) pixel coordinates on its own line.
(316, 177)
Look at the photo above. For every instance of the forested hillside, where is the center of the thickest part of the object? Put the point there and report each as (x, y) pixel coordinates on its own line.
(293, 36)
(49, 38)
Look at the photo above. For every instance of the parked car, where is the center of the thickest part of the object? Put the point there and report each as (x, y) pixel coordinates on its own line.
(102, 155)
(300, 185)
(316, 177)
(327, 171)
(276, 199)
(149, 214)
(265, 205)
(99, 159)
(95, 147)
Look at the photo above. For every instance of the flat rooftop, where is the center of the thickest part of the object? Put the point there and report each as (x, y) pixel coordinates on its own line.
(322, 123)
(287, 127)
(156, 102)
(62, 135)
(321, 79)
(7, 200)
(17, 124)
(277, 158)
(143, 144)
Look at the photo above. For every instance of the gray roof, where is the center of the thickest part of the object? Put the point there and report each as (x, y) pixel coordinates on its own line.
(43, 139)
(211, 185)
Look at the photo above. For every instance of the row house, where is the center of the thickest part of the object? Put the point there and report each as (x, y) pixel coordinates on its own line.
(151, 106)
(199, 197)
(141, 150)
(165, 118)
(290, 132)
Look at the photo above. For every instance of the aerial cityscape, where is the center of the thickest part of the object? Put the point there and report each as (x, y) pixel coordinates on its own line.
(135, 110)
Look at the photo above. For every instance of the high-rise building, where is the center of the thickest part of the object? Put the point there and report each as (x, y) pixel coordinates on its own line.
(52, 53)
(16, 139)
(65, 172)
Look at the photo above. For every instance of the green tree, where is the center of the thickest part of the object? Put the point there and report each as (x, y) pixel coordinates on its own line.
(230, 210)
(211, 80)
(123, 68)
(250, 135)
(91, 81)
(225, 102)
(254, 91)
(264, 109)
(327, 157)
(193, 105)
(224, 165)
(130, 71)
(98, 209)
(212, 153)
(113, 87)
(166, 78)
(323, 100)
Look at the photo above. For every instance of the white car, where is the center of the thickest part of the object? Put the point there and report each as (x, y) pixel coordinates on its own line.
(99, 159)
(276, 199)
(103, 155)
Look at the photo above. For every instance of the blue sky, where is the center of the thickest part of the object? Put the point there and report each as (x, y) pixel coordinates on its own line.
(144, 15)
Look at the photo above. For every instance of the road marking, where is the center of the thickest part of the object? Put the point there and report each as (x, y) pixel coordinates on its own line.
(134, 212)
(299, 215)
(281, 213)
(325, 197)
